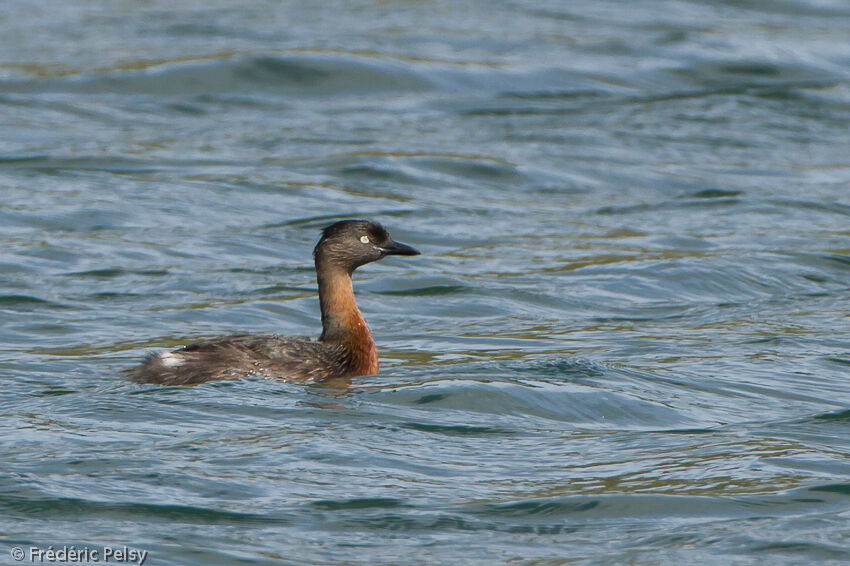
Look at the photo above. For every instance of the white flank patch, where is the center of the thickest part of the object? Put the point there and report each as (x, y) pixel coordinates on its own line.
(170, 359)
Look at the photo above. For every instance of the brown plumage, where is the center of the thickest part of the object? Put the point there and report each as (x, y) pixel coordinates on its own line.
(345, 348)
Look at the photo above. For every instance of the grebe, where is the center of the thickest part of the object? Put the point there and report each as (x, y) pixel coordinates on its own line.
(345, 348)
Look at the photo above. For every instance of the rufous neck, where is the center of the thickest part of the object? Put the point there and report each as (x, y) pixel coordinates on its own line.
(342, 321)
(340, 315)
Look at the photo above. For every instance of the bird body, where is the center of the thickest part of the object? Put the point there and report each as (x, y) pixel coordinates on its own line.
(345, 349)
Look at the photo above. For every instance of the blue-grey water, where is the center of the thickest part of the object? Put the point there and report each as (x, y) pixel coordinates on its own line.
(627, 340)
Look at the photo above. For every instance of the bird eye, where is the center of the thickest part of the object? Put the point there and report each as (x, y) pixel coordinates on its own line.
(364, 239)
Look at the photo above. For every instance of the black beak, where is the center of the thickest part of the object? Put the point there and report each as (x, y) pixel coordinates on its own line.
(397, 248)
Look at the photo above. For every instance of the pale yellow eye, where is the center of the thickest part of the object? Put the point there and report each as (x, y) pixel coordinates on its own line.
(364, 239)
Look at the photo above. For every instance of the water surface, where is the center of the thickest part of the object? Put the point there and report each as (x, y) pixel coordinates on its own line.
(626, 340)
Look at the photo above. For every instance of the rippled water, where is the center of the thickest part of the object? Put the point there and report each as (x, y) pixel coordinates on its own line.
(626, 340)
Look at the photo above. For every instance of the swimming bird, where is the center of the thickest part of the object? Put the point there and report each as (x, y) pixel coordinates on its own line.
(344, 349)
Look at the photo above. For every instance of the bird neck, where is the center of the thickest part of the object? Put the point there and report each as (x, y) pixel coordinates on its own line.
(342, 321)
